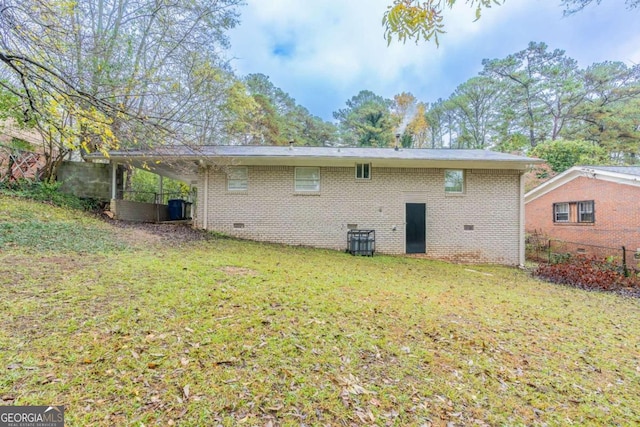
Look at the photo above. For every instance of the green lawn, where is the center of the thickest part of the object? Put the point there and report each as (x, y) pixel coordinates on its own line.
(126, 328)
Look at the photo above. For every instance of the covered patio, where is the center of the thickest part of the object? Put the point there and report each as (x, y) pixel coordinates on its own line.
(158, 206)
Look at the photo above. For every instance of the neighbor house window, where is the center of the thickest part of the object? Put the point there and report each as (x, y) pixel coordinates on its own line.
(561, 212)
(237, 179)
(363, 170)
(307, 179)
(453, 181)
(585, 211)
(574, 212)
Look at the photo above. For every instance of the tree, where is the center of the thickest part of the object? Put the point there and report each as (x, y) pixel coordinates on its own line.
(610, 114)
(561, 154)
(367, 121)
(473, 105)
(435, 121)
(418, 127)
(280, 119)
(410, 120)
(539, 94)
(96, 74)
(538, 84)
(573, 6)
(424, 19)
(415, 19)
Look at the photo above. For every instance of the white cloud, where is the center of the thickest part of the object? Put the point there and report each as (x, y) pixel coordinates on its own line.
(332, 49)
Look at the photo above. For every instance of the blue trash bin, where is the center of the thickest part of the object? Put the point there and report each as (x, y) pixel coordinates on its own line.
(176, 209)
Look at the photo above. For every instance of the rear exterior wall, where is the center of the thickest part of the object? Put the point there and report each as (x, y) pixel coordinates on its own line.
(616, 207)
(271, 210)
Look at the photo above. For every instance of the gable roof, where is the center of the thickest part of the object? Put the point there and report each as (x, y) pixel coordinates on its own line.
(239, 155)
(627, 175)
(625, 170)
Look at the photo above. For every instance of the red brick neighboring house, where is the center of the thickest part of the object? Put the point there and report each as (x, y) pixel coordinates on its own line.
(592, 205)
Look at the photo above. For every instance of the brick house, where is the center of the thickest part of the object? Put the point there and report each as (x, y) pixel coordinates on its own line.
(592, 205)
(461, 205)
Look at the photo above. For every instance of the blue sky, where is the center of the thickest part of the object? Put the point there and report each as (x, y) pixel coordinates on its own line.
(324, 52)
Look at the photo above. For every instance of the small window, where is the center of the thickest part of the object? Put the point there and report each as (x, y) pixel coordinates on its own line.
(307, 179)
(561, 212)
(454, 181)
(585, 211)
(363, 170)
(237, 179)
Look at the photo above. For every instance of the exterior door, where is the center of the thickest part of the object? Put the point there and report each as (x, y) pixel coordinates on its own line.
(416, 228)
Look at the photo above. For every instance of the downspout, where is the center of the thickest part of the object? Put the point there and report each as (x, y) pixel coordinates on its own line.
(205, 220)
(521, 255)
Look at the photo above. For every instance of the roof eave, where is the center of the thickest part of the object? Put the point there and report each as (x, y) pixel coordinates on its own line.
(327, 161)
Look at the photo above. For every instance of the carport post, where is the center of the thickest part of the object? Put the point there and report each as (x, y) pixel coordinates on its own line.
(114, 190)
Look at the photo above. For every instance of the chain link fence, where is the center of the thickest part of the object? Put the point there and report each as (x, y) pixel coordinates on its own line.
(541, 248)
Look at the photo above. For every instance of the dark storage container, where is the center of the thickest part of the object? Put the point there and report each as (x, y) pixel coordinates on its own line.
(176, 209)
(187, 210)
(361, 242)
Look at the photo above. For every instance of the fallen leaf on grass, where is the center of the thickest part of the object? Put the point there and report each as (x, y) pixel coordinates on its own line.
(225, 362)
(366, 417)
(48, 379)
(351, 385)
(185, 392)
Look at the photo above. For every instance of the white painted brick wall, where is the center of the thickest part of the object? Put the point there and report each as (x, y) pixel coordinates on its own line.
(271, 210)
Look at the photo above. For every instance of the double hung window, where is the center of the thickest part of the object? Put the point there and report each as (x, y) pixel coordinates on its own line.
(238, 179)
(307, 179)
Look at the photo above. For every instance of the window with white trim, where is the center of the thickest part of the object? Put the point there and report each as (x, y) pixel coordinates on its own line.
(363, 170)
(307, 179)
(454, 181)
(238, 178)
(561, 212)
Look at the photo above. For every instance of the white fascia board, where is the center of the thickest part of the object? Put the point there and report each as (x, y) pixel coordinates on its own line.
(324, 162)
(576, 172)
(375, 162)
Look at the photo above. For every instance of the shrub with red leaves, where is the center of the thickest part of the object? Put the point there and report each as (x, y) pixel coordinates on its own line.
(589, 273)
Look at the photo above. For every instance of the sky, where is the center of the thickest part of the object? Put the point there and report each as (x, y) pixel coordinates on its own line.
(324, 52)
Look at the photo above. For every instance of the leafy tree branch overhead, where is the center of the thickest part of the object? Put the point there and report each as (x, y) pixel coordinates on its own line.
(98, 74)
(425, 20)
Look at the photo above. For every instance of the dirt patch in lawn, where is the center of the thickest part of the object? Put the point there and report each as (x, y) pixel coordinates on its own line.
(238, 271)
(137, 233)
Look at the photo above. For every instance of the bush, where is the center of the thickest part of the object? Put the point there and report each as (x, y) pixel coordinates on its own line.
(144, 186)
(48, 191)
(588, 273)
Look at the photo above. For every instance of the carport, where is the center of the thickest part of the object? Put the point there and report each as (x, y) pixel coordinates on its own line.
(161, 206)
